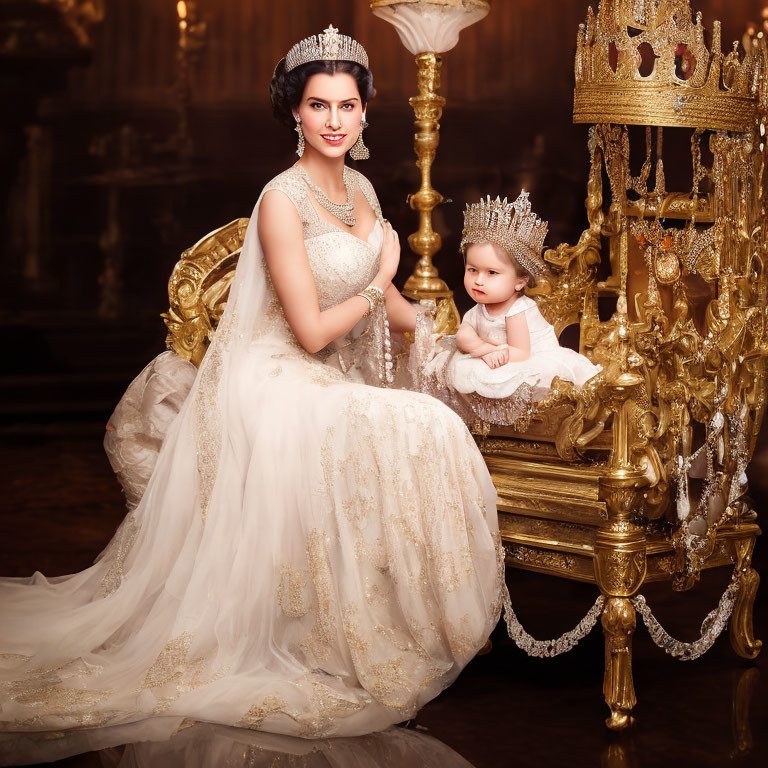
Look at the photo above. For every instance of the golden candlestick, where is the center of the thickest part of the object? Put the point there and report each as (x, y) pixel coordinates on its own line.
(428, 28)
(424, 283)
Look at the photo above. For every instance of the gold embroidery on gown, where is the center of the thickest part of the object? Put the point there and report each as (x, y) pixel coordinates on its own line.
(312, 555)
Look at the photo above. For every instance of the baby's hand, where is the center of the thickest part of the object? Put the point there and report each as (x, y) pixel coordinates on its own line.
(497, 358)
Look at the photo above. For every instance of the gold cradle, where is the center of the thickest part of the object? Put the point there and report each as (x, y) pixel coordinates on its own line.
(587, 481)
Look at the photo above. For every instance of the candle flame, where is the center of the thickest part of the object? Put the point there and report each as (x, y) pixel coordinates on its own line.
(181, 8)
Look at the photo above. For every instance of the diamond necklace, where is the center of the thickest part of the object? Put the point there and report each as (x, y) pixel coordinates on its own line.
(342, 211)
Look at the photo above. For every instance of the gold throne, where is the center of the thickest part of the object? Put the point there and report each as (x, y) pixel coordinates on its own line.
(599, 484)
(637, 476)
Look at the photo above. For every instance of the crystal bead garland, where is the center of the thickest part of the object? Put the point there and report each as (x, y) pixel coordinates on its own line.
(711, 628)
(342, 211)
(550, 648)
(544, 648)
(389, 375)
(381, 345)
(714, 623)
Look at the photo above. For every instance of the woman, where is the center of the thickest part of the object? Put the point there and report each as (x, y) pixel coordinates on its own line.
(312, 555)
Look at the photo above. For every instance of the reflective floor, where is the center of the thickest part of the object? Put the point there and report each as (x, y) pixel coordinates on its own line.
(60, 504)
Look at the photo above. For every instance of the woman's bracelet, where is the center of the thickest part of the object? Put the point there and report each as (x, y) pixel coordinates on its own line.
(374, 295)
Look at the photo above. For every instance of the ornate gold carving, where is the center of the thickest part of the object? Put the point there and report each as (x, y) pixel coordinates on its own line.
(567, 294)
(742, 633)
(573, 533)
(620, 573)
(198, 290)
(665, 564)
(447, 317)
(541, 558)
(618, 688)
(658, 47)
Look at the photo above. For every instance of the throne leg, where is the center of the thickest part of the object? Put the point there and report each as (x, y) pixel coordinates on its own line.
(618, 622)
(742, 631)
(620, 568)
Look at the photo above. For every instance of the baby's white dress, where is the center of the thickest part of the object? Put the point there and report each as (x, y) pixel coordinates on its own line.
(466, 374)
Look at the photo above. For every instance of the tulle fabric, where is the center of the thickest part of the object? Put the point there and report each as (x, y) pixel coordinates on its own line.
(139, 424)
(311, 555)
(468, 374)
(464, 374)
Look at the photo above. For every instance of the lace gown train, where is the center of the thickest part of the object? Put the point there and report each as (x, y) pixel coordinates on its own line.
(312, 555)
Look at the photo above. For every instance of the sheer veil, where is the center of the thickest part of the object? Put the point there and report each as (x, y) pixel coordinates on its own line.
(71, 646)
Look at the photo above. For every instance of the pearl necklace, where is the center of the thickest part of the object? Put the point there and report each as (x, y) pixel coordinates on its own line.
(342, 211)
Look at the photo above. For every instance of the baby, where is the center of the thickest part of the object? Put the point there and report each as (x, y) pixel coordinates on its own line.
(504, 342)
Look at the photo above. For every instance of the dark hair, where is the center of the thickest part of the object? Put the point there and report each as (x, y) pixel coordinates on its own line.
(287, 88)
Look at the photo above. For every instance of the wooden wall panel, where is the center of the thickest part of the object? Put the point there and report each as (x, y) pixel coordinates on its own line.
(522, 50)
(507, 125)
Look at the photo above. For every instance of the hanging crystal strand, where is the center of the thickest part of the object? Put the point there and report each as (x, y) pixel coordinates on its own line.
(547, 648)
(714, 435)
(683, 499)
(714, 623)
(389, 374)
(738, 441)
(558, 645)
(380, 345)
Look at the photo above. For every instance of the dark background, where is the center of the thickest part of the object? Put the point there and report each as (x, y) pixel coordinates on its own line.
(99, 197)
(99, 194)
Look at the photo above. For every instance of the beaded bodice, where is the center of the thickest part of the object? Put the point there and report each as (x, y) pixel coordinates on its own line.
(341, 263)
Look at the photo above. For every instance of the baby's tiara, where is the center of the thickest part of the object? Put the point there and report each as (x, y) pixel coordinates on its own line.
(329, 45)
(513, 226)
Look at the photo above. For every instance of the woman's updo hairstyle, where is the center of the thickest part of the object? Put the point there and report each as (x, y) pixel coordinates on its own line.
(287, 88)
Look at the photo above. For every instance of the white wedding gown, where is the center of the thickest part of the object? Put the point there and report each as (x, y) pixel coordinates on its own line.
(312, 555)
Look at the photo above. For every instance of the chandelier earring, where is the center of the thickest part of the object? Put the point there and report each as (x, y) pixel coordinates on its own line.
(300, 147)
(359, 151)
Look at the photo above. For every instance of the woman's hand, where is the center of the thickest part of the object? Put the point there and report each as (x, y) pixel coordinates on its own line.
(496, 358)
(389, 259)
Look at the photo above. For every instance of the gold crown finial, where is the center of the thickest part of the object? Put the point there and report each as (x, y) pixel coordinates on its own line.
(329, 45)
(513, 226)
(645, 62)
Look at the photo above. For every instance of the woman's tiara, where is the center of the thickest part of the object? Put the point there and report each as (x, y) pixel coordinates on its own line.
(513, 226)
(329, 45)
